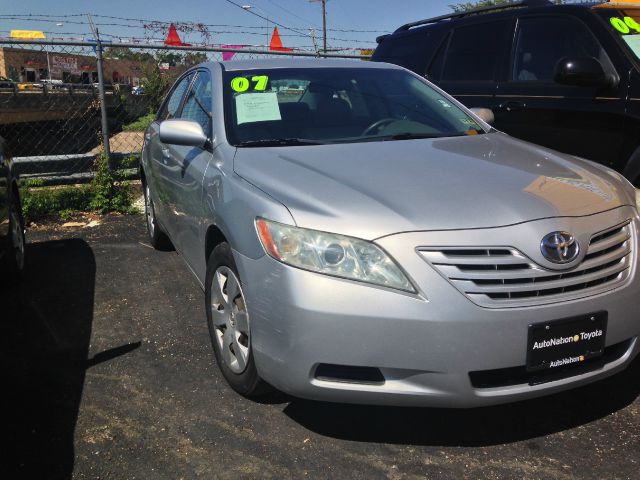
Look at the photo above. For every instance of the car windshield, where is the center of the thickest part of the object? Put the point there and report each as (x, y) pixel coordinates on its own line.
(309, 106)
(624, 23)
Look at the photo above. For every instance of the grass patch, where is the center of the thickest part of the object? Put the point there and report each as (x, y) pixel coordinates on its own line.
(140, 124)
(107, 192)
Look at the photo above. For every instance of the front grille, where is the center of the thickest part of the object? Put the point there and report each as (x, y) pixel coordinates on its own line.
(504, 277)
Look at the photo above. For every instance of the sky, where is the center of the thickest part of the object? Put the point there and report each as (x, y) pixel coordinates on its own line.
(351, 23)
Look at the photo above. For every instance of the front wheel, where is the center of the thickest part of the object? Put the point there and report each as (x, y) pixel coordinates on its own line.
(229, 327)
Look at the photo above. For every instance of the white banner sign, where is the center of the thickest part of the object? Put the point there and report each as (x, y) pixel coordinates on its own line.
(66, 64)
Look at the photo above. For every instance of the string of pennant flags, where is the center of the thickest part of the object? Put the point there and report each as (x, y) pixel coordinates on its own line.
(173, 39)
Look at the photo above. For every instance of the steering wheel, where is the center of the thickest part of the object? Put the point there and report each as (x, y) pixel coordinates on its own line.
(378, 125)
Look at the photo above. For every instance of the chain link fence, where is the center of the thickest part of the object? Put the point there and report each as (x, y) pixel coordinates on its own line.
(51, 103)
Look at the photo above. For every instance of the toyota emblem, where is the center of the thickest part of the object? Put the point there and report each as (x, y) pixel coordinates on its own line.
(560, 247)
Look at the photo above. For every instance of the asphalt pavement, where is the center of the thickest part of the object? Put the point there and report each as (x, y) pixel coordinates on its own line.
(109, 374)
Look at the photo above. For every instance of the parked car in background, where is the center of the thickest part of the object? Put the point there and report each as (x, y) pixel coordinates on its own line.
(373, 241)
(53, 84)
(137, 90)
(29, 86)
(12, 240)
(563, 76)
(6, 82)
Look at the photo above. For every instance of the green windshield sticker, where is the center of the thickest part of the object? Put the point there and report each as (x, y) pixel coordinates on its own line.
(258, 83)
(625, 25)
(257, 107)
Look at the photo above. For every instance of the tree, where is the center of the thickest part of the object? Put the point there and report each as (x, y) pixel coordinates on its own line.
(193, 58)
(124, 53)
(155, 84)
(462, 7)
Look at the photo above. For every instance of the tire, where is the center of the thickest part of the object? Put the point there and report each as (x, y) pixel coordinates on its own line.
(228, 322)
(15, 254)
(157, 237)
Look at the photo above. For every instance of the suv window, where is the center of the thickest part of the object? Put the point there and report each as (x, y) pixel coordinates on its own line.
(542, 41)
(474, 51)
(172, 104)
(198, 105)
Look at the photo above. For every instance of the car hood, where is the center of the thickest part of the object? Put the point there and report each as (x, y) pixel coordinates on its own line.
(369, 190)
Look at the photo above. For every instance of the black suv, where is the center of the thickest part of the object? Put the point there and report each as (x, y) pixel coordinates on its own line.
(563, 76)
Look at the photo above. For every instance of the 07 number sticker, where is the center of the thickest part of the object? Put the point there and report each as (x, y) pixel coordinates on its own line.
(257, 83)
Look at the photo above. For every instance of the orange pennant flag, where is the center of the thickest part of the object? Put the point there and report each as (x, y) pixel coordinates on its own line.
(276, 42)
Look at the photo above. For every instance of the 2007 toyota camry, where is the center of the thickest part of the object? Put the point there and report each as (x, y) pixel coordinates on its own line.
(362, 237)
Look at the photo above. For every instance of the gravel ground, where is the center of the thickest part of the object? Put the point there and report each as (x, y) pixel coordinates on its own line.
(109, 374)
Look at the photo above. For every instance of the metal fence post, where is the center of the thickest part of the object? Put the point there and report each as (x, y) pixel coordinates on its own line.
(101, 95)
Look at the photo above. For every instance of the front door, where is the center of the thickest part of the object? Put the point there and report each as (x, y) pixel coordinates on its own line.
(186, 178)
(583, 121)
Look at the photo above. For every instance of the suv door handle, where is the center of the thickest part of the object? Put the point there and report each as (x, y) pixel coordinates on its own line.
(512, 105)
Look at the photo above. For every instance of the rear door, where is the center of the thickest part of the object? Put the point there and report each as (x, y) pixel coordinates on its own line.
(468, 61)
(583, 121)
(160, 161)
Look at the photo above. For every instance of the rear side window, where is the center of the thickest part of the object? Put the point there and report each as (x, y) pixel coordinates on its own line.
(542, 41)
(474, 52)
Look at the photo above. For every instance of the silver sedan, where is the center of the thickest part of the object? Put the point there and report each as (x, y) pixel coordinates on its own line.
(362, 237)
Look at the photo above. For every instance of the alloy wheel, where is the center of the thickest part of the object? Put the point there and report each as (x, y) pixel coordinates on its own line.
(230, 319)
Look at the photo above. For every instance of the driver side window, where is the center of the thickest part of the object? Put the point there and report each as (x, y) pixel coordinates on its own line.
(543, 41)
(199, 103)
(172, 105)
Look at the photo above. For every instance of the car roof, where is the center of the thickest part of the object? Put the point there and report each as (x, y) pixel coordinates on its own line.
(265, 63)
(490, 12)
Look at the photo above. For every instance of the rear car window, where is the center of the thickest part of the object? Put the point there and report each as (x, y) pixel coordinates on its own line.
(474, 52)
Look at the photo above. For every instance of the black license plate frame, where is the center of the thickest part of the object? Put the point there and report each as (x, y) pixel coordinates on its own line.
(566, 342)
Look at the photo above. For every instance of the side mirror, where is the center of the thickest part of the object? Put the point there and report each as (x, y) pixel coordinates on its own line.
(485, 114)
(581, 72)
(182, 132)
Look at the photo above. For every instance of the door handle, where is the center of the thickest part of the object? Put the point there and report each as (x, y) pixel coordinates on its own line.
(512, 105)
(166, 153)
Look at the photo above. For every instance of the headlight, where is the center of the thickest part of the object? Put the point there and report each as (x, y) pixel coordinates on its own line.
(331, 254)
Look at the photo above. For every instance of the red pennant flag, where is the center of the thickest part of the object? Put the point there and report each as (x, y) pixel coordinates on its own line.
(276, 42)
(173, 38)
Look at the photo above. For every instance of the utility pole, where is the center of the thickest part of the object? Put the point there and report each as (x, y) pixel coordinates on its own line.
(103, 101)
(324, 24)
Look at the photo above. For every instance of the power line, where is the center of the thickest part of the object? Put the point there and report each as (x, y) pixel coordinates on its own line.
(49, 18)
(267, 19)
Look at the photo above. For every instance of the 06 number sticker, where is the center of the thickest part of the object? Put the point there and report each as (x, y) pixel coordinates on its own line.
(625, 25)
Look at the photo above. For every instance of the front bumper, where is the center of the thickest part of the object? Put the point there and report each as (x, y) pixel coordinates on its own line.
(424, 345)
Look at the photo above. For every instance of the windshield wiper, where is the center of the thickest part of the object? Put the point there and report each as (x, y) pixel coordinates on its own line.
(279, 142)
(412, 136)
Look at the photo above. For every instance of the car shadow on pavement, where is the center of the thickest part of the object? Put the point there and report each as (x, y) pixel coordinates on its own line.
(46, 329)
(470, 427)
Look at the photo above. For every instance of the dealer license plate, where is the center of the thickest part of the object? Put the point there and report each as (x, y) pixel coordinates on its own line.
(566, 342)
